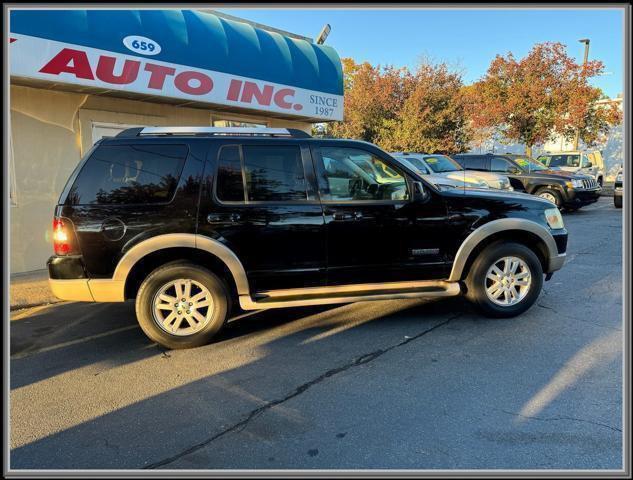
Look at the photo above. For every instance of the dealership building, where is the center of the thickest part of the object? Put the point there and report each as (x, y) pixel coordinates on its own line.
(79, 75)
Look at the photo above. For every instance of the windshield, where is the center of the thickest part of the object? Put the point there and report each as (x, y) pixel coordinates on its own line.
(441, 164)
(529, 165)
(413, 163)
(419, 164)
(568, 160)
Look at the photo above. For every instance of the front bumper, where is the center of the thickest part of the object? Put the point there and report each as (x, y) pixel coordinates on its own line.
(582, 197)
(557, 259)
(556, 262)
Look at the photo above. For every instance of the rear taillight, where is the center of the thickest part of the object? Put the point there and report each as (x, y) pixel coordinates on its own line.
(64, 242)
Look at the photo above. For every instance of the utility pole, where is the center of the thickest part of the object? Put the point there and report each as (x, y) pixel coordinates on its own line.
(584, 64)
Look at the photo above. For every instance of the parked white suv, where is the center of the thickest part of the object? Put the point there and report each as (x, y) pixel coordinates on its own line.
(443, 170)
(587, 163)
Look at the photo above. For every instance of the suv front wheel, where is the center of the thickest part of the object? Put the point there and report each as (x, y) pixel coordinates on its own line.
(505, 279)
(181, 305)
(550, 195)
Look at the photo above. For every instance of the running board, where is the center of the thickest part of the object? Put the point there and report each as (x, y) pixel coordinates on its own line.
(301, 297)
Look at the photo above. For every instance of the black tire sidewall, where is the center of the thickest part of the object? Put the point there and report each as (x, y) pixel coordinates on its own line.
(476, 285)
(172, 271)
(617, 201)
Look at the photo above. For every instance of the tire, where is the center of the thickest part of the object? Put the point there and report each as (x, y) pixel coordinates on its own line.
(617, 201)
(551, 195)
(477, 282)
(182, 328)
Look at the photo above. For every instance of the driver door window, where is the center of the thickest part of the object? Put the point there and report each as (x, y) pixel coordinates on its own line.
(357, 175)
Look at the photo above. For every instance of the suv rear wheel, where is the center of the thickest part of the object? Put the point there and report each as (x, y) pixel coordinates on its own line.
(181, 305)
(505, 279)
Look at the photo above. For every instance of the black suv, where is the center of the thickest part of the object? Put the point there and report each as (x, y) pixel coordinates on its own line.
(567, 190)
(195, 221)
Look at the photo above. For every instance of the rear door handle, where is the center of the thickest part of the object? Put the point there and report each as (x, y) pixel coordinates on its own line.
(223, 218)
(347, 215)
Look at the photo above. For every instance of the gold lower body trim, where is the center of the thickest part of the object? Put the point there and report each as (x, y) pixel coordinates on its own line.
(76, 290)
(301, 297)
(88, 290)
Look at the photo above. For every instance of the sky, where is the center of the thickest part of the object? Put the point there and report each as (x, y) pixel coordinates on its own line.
(466, 39)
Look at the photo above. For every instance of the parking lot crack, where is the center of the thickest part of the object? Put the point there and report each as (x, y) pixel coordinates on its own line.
(238, 427)
(557, 418)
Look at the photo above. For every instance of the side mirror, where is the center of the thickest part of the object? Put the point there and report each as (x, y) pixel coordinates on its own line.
(588, 165)
(419, 192)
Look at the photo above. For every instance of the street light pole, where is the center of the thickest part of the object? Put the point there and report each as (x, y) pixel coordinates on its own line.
(584, 64)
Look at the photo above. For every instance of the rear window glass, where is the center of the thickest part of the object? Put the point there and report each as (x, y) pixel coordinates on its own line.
(129, 174)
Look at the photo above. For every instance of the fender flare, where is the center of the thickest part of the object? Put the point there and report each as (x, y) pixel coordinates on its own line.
(495, 226)
(187, 240)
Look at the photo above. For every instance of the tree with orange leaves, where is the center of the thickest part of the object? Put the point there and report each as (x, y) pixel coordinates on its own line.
(372, 95)
(543, 94)
(400, 110)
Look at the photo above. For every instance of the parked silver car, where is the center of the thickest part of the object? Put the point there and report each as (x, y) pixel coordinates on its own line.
(443, 170)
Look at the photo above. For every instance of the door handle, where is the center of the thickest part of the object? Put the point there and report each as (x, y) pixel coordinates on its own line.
(347, 215)
(219, 218)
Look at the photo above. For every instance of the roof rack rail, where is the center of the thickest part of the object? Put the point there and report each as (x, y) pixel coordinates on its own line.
(213, 131)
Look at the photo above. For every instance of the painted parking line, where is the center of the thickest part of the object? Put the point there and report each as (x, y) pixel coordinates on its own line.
(70, 343)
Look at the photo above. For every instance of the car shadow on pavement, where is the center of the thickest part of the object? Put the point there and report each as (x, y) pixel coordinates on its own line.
(67, 336)
(299, 343)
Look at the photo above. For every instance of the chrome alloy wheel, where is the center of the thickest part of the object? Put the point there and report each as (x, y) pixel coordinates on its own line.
(548, 196)
(182, 307)
(508, 281)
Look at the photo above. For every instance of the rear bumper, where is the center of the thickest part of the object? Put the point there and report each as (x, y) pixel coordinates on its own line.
(88, 290)
(68, 281)
(76, 290)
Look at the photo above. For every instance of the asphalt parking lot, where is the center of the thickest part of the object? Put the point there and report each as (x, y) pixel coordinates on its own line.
(409, 384)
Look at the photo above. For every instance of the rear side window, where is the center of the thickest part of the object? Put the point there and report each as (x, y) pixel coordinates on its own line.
(230, 185)
(472, 163)
(269, 174)
(499, 164)
(129, 174)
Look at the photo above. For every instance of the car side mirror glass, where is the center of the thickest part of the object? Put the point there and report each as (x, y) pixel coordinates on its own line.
(588, 165)
(419, 192)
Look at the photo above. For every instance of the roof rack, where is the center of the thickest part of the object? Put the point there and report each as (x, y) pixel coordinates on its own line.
(213, 131)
